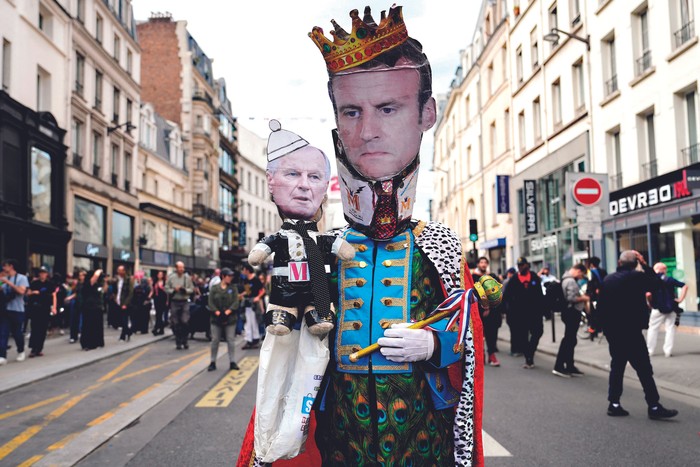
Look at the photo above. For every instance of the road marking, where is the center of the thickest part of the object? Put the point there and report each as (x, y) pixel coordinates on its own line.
(98, 420)
(123, 365)
(493, 448)
(31, 461)
(160, 365)
(228, 387)
(32, 407)
(60, 444)
(27, 434)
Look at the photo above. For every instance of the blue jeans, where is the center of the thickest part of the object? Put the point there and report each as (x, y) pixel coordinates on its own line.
(11, 322)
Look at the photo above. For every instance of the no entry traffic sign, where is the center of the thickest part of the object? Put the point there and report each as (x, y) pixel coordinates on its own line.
(587, 191)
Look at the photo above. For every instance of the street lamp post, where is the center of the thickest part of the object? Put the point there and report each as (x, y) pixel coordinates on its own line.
(553, 36)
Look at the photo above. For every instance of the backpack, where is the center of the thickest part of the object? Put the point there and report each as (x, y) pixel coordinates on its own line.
(554, 296)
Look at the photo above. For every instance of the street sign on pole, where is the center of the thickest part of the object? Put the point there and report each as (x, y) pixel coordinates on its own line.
(590, 231)
(587, 191)
(589, 214)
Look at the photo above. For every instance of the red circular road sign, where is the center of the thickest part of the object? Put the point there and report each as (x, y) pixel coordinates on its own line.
(587, 191)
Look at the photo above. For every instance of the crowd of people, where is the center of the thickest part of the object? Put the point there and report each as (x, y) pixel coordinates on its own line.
(620, 305)
(35, 306)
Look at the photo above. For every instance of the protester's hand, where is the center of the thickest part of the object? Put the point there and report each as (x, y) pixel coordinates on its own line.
(53, 311)
(227, 312)
(640, 258)
(217, 313)
(256, 299)
(123, 307)
(401, 344)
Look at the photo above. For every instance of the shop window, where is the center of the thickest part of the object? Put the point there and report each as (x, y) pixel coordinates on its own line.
(41, 185)
(156, 234)
(634, 239)
(122, 231)
(89, 221)
(182, 242)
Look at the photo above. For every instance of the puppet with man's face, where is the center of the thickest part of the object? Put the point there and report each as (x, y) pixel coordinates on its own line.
(298, 176)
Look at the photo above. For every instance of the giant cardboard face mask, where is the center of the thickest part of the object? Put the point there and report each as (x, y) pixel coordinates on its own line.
(380, 85)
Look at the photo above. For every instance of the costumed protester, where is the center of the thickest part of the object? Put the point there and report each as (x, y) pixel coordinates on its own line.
(292, 362)
(298, 175)
(417, 401)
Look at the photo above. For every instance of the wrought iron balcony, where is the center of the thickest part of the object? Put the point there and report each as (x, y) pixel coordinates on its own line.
(685, 33)
(616, 181)
(643, 63)
(691, 154)
(96, 170)
(611, 85)
(77, 160)
(201, 211)
(650, 169)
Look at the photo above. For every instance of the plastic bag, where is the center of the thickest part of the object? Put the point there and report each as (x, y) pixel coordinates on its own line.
(289, 377)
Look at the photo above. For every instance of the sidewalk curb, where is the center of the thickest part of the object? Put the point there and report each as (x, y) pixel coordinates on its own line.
(677, 388)
(56, 370)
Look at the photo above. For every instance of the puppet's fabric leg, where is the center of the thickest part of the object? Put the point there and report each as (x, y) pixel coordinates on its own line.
(318, 326)
(279, 320)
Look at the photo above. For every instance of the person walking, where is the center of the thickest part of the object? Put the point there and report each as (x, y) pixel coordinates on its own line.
(524, 303)
(665, 309)
(13, 286)
(571, 316)
(160, 303)
(490, 317)
(253, 293)
(124, 290)
(140, 304)
(40, 299)
(92, 308)
(75, 308)
(223, 302)
(623, 313)
(179, 287)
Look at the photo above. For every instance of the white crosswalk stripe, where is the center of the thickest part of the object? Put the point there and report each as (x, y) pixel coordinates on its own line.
(493, 448)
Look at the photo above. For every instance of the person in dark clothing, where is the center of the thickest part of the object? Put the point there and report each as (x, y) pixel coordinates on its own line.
(40, 300)
(491, 317)
(140, 305)
(571, 316)
(74, 307)
(253, 292)
(160, 302)
(524, 305)
(596, 276)
(123, 291)
(91, 304)
(623, 313)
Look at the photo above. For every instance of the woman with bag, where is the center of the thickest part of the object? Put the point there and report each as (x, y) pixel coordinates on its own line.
(223, 303)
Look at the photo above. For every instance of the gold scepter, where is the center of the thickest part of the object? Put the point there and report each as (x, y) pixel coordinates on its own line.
(489, 291)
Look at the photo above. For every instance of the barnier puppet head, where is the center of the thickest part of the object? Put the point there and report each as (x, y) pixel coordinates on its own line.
(297, 174)
(380, 84)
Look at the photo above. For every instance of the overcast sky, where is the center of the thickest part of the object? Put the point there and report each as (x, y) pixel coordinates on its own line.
(273, 70)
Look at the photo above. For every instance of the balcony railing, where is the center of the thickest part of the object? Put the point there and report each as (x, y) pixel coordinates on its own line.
(650, 169)
(79, 88)
(77, 160)
(616, 181)
(643, 62)
(685, 33)
(115, 179)
(611, 85)
(96, 170)
(127, 185)
(200, 210)
(691, 154)
(200, 95)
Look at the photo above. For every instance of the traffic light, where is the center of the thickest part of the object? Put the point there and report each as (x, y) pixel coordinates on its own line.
(473, 230)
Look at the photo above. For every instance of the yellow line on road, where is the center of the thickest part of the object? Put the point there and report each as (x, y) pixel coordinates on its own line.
(31, 461)
(100, 419)
(27, 434)
(160, 365)
(123, 365)
(228, 387)
(32, 407)
(62, 443)
(186, 367)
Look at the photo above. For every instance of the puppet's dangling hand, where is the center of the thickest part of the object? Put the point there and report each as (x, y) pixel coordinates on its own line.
(257, 256)
(401, 344)
(346, 251)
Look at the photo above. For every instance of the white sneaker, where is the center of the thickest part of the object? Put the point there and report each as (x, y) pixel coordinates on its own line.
(3, 361)
(21, 356)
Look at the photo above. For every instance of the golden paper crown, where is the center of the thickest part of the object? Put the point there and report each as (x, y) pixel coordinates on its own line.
(366, 41)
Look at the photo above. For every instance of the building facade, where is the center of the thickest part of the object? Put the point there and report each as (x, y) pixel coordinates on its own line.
(473, 149)
(104, 73)
(33, 123)
(646, 66)
(177, 79)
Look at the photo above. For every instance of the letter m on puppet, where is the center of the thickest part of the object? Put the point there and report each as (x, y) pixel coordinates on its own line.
(298, 271)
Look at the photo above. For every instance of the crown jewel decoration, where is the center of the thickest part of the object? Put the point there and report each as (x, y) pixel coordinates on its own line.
(365, 42)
